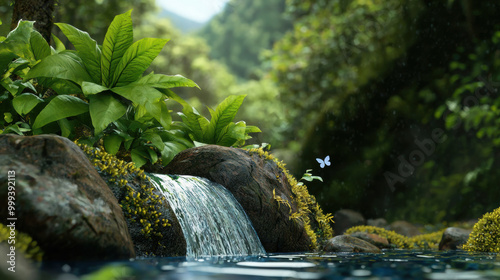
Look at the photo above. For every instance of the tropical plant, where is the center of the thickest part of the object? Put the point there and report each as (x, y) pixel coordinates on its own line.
(221, 129)
(102, 90)
(19, 51)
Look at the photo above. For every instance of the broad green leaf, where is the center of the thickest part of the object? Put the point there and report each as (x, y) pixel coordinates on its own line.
(39, 47)
(196, 123)
(225, 113)
(90, 88)
(165, 81)
(154, 138)
(252, 129)
(8, 117)
(22, 32)
(6, 57)
(152, 155)
(25, 102)
(160, 112)
(87, 49)
(139, 157)
(104, 109)
(18, 40)
(58, 44)
(118, 39)
(60, 107)
(230, 134)
(65, 126)
(139, 94)
(136, 60)
(62, 65)
(112, 143)
(60, 86)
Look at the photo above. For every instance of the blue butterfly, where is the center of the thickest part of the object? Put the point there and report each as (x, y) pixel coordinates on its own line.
(322, 163)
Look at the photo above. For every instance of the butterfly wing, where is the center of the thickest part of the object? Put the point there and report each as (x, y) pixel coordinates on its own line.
(327, 160)
(321, 162)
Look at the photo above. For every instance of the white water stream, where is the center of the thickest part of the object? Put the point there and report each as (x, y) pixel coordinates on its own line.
(212, 220)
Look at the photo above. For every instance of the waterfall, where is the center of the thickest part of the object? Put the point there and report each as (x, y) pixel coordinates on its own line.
(212, 220)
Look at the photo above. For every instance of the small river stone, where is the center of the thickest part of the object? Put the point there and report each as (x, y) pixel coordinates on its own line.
(345, 243)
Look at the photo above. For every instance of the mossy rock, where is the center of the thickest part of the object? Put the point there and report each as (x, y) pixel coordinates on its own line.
(485, 236)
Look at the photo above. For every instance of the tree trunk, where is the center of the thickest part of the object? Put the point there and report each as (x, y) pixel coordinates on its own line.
(38, 10)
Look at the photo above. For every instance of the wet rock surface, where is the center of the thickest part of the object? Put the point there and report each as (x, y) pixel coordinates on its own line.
(453, 238)
(61, 201)
(251, 179)
(377, 240)
(346, 243)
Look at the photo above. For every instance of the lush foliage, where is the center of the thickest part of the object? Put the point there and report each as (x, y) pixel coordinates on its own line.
(485, 236)
(99, 92)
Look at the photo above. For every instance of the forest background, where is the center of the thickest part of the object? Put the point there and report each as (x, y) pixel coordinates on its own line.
(402, 95)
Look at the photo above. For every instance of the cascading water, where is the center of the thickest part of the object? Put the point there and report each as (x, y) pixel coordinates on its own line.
(212, 220)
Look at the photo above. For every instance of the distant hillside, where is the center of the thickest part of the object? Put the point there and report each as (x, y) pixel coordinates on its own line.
(183, 24)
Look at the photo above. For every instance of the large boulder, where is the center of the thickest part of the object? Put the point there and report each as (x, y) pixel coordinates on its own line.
(60, 200)
(252, 180)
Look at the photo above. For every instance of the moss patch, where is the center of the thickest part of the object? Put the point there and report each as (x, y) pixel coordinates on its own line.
(139, 204)
(422, 241)
(485, 235)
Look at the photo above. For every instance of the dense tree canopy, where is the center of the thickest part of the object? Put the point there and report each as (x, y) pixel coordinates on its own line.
(367, 83)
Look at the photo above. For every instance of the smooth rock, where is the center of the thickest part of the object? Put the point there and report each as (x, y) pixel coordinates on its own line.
(345, 219)
(404, 228)
(251, 179)
(377, 240)
(453, 238)
(346, 243)
(60, 200)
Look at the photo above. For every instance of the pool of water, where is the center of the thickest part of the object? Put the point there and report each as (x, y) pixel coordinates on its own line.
(399, 264)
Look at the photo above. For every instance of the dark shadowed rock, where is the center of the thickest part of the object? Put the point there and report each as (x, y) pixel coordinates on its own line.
(453, 238)
(377, 240)
(61, 201)
(251, 179)
(404, 228)
(345, 219)
(346, 243)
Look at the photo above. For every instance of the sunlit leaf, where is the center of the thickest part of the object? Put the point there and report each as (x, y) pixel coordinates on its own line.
(62, 65)
(165, 81)
(87, 49)
(118, 39)
(39, 47)
(104, 109)
(136, 60)
(25, 102)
